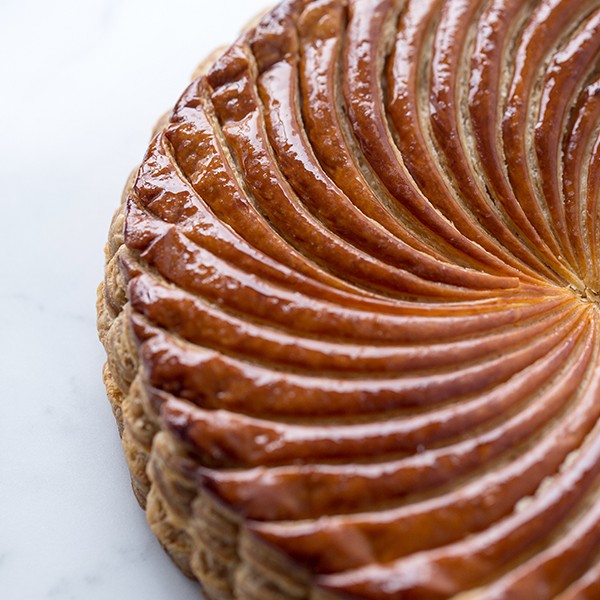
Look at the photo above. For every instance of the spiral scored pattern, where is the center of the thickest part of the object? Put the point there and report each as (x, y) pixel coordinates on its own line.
(352, 324)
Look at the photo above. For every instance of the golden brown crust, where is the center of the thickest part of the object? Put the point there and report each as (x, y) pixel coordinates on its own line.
(350, 306)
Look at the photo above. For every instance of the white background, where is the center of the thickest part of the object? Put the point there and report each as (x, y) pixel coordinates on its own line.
(81, 84)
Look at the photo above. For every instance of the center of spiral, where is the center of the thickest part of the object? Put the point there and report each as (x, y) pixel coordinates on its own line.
(590, 295)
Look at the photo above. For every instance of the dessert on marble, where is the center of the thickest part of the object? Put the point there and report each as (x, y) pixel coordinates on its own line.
(351, 306)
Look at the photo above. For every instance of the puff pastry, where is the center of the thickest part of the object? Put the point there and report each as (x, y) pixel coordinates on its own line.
(351, 306)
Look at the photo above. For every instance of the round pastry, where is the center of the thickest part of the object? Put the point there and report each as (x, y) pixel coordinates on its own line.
(351, 306)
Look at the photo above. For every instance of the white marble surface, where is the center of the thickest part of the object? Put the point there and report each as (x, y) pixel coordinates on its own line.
(82, 82)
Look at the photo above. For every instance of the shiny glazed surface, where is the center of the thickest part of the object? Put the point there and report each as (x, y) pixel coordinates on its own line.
(363, 279)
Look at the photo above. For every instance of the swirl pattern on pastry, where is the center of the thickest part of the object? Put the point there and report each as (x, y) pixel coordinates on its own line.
(351, 306)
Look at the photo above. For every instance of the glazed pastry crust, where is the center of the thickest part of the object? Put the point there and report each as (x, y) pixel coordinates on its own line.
(440, 299)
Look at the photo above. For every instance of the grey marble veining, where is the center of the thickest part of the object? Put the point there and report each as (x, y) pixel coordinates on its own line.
(82, 85)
